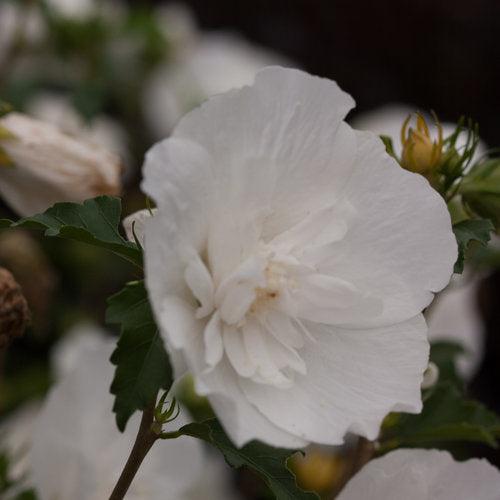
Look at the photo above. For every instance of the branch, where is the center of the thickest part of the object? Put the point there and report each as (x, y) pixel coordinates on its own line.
(144, 441)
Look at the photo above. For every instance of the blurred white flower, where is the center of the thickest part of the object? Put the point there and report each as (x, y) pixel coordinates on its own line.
(103, 130)
(49, 166)
(211, 64)
(81, 338)
(389, 119)
(78, 452)
(16, 437)
(423, 475)
(177, 24)
(15, 20)
(73, 9)
(455, 317)
(289, 260)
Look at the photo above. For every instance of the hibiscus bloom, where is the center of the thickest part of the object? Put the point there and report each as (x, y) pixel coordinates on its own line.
(40, 165)
(78, 453)
(289, 261)
(423, 475)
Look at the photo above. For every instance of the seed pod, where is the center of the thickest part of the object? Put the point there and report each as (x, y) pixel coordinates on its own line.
(14, 312)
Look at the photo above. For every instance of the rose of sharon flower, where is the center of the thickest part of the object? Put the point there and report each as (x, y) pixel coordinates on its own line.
(78, 453)
(423, 475)
(289, 260)
(46, 166)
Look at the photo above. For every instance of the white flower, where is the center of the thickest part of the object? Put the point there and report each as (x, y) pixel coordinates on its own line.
(423, 475)
(289, 260)
(49, 166)
(16, 436)
(78, 453)
(211, 64)
(75, 9)
(455, 317)
(103, 131)
(14, 18)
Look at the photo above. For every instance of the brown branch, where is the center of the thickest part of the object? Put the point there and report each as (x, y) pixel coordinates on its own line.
(144, 441)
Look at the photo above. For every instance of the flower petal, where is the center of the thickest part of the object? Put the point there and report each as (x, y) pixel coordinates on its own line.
(354, 379)
(400, 246)
(423, 475)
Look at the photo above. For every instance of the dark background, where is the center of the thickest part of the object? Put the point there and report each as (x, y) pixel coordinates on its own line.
(434, 54)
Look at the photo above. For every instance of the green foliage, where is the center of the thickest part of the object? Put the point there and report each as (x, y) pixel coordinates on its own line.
(456, 160)
(142, 364)
(446, 417)
(26, 495)
(470, 230)
(95, 222)
(480, 190)
(268, 462)
(443, 355)
(389, 147)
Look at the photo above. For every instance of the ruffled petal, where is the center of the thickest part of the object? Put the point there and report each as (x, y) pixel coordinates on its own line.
(354, 379)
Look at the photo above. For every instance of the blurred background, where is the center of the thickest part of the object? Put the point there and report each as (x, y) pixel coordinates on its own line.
(121, 75)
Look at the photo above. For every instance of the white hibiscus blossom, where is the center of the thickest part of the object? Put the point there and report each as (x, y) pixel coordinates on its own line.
(78, 453)
(289, 260)
(423, 475)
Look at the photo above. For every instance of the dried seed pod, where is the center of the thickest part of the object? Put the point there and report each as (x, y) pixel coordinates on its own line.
(14, 312)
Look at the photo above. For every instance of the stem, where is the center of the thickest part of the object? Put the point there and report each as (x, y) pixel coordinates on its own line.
(362, 454)
(143, 443)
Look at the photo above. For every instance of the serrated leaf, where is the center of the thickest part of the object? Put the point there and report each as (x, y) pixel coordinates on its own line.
(268, 462)
(142, 364)
(470, 230)
(95, 222)
(446, 417)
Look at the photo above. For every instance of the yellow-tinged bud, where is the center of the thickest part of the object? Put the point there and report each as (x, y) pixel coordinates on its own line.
(421, 152)
(318, 470)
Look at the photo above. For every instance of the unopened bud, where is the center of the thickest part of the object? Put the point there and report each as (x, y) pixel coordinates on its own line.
(14, 312)
(431, 376)
(42, 165)
(421, 153)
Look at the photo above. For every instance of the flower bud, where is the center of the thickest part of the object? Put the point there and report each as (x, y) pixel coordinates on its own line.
(14, 313)
(421, 153)
(42, 165)
(431, 376)
(319, 470)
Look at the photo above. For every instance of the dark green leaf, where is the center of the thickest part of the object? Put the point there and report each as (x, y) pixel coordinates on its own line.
(142, 364)
(467, 231)
(446, 417)
(444, 354)
(27, 495)
(95, 222)
(270, 463)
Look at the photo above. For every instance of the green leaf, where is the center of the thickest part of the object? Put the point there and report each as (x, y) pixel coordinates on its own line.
(142, 364)
(444, 354)
(27, 495)
(270, 463)
(446, 417)
(95, 222)
(480, 190)
(467, 231)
